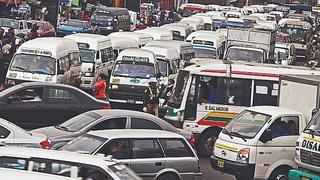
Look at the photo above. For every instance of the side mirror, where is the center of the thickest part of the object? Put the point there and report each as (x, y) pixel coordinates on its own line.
(60, 72)
(314, 112)
(266, 136)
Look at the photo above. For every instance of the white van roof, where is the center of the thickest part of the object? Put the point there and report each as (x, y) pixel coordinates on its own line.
(123, 43)
(179, 45)
(141, 38)
(203, 32)
(14, 174)
(167, 52)
(137, 53)
(211, 38)
(49, 46)
(93, 40)
(157, 33)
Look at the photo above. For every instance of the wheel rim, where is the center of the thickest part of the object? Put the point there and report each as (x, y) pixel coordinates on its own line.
(209, 143)
(281, 177)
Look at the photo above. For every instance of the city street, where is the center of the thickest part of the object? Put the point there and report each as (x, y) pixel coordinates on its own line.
(209, 173)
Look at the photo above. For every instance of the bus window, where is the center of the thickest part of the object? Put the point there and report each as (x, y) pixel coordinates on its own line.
(106, 55)
(225, 91)
(64, 63)
(265, 93)
(75, 59)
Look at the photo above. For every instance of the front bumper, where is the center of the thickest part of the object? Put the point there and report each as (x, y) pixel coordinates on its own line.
(298, 175)
(245, 171)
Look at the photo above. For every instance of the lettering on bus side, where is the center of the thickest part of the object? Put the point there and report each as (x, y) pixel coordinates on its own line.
(216, 108)
(311, 145)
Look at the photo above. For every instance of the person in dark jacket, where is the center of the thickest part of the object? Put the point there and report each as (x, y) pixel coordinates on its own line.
(151, 99)
(167, 91)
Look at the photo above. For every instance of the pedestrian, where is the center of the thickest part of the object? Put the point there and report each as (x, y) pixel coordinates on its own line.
(100, 87)
(171, 16)
(168, 91)
(151, 99)
(162, 17)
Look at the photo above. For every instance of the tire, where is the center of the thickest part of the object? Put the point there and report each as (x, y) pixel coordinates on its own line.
(206, 143)
(280, 174)
(168, 176)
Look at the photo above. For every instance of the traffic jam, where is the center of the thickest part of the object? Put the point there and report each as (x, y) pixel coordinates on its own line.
(194, 92)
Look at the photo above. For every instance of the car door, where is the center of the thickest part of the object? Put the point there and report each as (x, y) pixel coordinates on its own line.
(285, 132)
(62, 104)
(24, 107)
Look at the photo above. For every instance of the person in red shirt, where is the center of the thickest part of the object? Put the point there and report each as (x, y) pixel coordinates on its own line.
(100, 87)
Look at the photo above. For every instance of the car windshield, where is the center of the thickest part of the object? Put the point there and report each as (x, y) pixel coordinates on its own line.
(75, 24)
(179, 89)
(245, 55)
(297, 35)
(314, 125)
(163, 66)
(10, 23)
(78, 122)
(87, 55)
(123, 172)
(134, 69)
(205, 53)
(86, 144)
(247, 124)
(33, 64)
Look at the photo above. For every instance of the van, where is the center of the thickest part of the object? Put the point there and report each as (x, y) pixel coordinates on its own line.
(133, 70)
(61, 164)
(96, 56)
(209, 46)
(196, 23)
(157, 33)
(141, 38)
(48, 59)
(199, 33)
(179, 31)
(118, 44)
(208, 23)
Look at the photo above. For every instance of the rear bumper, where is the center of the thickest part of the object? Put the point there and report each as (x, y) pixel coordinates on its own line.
(297, 175)
(245, 171)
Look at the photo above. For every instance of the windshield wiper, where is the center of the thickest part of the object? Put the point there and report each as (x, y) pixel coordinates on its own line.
(62, 128)
(311, 131)
(227, 133)
(238, 135)
(22, 68)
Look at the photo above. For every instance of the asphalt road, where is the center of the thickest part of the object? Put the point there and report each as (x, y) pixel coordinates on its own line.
(209, 174)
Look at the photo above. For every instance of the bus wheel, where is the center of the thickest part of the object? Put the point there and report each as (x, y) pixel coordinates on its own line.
(207, 140)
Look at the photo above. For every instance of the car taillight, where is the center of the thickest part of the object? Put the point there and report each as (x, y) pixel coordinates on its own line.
(192, 140)
(46, 144)
(106, 107)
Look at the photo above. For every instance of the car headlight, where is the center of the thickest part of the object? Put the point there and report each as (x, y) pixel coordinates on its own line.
(109, 28)
(243, 155)
(114, 86)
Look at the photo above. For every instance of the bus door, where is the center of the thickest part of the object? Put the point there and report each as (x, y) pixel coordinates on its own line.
(190, 112)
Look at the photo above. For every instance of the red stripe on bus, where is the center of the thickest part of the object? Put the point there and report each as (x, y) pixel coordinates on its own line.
(212, 123)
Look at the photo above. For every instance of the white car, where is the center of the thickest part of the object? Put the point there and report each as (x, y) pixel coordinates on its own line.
(63, 164)
(13, 174)
(11, 134)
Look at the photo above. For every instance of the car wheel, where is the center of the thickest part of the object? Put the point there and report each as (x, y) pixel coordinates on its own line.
(207, 140)
(168, 176)
(280, 174)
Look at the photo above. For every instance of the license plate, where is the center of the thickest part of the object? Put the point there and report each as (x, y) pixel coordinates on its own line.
(220, 163)
(305, 178)
(131, 101)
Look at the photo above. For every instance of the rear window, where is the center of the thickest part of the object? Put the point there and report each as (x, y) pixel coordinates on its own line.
(176, 148)
(85, 144)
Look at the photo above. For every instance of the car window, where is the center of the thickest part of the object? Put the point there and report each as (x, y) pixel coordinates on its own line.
(139, 123)
(61, 95)
(27, 95)
(85, 143)
(4, 132)
(285, 126)
(118, 148)
(176, 148)
(113, 123)
(146, 148)
(13, 163)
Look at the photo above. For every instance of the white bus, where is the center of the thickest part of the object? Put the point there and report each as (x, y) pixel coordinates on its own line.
(209, 46)
(141, 38)
(179, 31)
(119, 44)
(210, 93)
(96, 56)
(55, 60)
(157, 33)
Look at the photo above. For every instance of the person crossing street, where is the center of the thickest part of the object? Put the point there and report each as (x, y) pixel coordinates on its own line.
(151, 99)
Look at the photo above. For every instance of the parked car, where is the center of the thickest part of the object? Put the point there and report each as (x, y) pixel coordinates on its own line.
(45, 28)
(11, 134)
(152, 154)
(106, 119)
(63, 164)
(35, 104)
(73, 26)
(20, 26)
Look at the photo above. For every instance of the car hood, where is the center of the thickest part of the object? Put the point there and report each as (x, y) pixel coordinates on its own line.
(69, 28)
(52, 132)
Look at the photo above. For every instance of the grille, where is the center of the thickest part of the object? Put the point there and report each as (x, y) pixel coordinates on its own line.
(126, 92)
(309, 157)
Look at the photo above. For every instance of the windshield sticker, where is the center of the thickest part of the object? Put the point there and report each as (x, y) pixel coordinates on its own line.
(135, 58)
(36, 51)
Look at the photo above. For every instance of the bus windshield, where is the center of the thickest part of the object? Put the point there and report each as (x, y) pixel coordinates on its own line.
(87, 55)
(179, 89)
(297, 35)
(247, 124)
(134, 69)
(205, 53)
(245, 55)
(314, 125)
(33, 64)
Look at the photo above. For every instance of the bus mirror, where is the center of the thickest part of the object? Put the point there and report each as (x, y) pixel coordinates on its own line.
(60, 72)
(314, 112)
(266, 136)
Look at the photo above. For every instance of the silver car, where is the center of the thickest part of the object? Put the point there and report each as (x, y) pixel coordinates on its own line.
(152, 154)
(11, 134)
